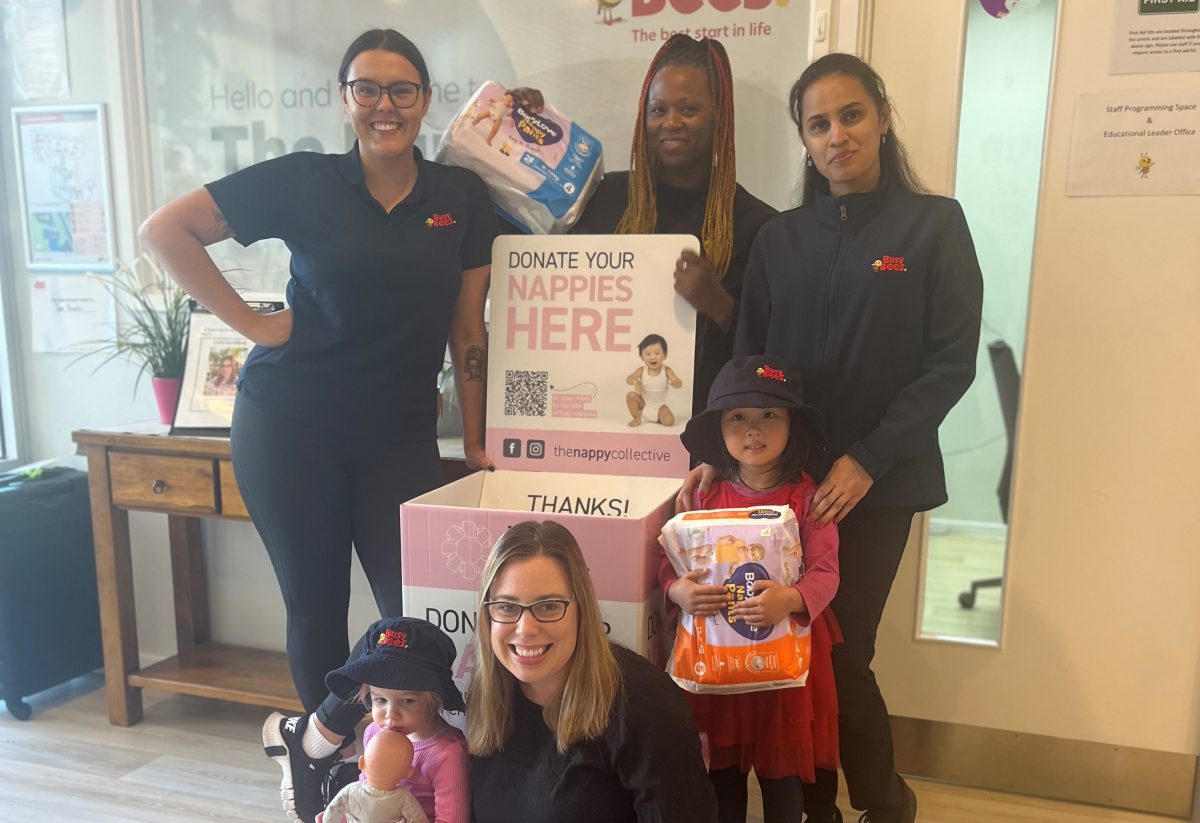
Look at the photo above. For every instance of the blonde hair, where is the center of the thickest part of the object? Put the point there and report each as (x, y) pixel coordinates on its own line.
(432, 700)
(581, 709)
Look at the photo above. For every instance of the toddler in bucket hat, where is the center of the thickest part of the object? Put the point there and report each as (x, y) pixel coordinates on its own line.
(403, 654)
(759, 381)
(403, 676)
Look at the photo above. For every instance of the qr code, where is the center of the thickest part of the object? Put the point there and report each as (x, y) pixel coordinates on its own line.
(525, 393)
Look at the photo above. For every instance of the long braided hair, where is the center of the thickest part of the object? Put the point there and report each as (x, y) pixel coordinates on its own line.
(641, 215)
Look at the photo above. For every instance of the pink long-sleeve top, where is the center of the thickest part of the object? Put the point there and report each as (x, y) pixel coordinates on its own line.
(440, 780)
(818, 543)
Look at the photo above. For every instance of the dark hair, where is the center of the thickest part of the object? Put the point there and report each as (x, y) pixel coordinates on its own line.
(641, 215)
(650, 340)
(799, 455)
(386, 40)
(894, 164)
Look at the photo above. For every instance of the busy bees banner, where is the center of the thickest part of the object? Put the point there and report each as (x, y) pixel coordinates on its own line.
(590, 355)
(231, 84)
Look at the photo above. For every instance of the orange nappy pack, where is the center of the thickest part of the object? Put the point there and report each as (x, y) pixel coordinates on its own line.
(722, 653)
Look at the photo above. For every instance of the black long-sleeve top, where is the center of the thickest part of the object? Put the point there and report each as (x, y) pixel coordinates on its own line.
(682, 212)
(876, 298)
(645, 768)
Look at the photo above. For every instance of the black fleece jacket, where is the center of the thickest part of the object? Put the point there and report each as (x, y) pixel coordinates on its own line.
(876, 299)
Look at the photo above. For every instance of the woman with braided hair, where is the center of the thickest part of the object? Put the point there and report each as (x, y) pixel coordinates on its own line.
(681, 180)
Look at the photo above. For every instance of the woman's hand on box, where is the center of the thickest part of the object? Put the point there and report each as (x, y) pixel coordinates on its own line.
(772, 602)
(694, 597)
(477, 459)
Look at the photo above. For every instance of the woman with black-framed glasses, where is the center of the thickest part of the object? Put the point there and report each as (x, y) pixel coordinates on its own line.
(562, 724)
(335, 420)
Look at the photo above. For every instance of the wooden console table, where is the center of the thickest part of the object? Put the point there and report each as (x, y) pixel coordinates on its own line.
(185, 478)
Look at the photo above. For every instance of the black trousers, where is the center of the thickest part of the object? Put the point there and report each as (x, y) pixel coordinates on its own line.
(341, 713)
(312, 493)
(871, 543)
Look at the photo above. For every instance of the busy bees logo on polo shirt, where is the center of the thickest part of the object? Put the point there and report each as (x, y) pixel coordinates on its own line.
(437, 221)
(391, 637)
(887, 263)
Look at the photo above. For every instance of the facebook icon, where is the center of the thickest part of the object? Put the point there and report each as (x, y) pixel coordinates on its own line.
(512, 447)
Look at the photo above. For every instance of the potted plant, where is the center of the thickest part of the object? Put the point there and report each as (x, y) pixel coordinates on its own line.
(153, 331)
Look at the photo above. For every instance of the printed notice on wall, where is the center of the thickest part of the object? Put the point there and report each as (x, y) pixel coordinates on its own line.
(1155, 36)
(71, 314)
(1135, 142)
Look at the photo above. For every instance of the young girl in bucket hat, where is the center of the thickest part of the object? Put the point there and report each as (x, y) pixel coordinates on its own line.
(402, 674)
(759, 434)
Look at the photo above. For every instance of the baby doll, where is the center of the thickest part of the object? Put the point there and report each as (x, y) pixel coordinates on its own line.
(387, 759)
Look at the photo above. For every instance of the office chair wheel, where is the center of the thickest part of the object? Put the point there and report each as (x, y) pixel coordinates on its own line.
(967, 600)
(18, 708)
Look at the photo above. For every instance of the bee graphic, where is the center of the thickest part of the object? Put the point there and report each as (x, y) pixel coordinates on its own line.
(604, 8)
(1143, 165)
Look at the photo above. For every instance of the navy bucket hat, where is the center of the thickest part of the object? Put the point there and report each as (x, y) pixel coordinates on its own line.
(402, 653)
(756, 382)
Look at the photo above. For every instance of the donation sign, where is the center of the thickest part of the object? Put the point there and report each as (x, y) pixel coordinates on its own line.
(590, 366)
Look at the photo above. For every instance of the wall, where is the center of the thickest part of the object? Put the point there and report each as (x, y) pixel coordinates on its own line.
(1102, 628)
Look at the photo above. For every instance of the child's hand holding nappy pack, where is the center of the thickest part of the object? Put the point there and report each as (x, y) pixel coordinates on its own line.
(722, 653)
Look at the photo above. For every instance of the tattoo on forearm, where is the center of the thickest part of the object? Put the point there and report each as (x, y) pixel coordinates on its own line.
(220, 229)
(473, 363)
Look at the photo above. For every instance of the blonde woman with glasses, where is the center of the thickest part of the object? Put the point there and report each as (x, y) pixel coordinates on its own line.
(562, 724)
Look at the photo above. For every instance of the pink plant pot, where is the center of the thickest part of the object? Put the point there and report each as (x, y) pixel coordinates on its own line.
(166, 393)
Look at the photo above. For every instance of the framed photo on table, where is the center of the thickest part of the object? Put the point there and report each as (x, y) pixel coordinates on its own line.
(212, 365)
(63, 184)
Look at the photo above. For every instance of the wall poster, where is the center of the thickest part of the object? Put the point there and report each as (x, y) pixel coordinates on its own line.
(62, 179)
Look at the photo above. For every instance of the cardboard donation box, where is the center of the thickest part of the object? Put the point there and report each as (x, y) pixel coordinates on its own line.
(583, 423)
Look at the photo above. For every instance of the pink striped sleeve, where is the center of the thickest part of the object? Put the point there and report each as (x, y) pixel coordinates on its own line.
(447, 772)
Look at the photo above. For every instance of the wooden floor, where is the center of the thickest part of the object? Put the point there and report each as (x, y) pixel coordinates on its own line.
(195, 760)
(953, 560)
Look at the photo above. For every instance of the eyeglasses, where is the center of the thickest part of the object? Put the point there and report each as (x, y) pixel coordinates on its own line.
(367, 92)
(551, 610)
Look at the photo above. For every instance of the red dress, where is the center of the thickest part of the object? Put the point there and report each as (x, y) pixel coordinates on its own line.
(781, 732)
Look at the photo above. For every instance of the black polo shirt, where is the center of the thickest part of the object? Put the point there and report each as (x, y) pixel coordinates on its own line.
(371, 292)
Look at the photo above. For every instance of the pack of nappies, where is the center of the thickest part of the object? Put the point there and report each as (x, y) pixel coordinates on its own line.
(540, 168)
(738, 546)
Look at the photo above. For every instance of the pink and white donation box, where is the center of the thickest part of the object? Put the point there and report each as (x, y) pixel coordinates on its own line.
(589, 385)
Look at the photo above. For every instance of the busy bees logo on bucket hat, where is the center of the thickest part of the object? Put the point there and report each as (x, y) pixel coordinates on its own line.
(402, 653)
(757, 382)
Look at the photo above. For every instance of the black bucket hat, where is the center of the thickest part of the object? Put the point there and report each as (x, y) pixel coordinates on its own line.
(403, 653)
(756, 382)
